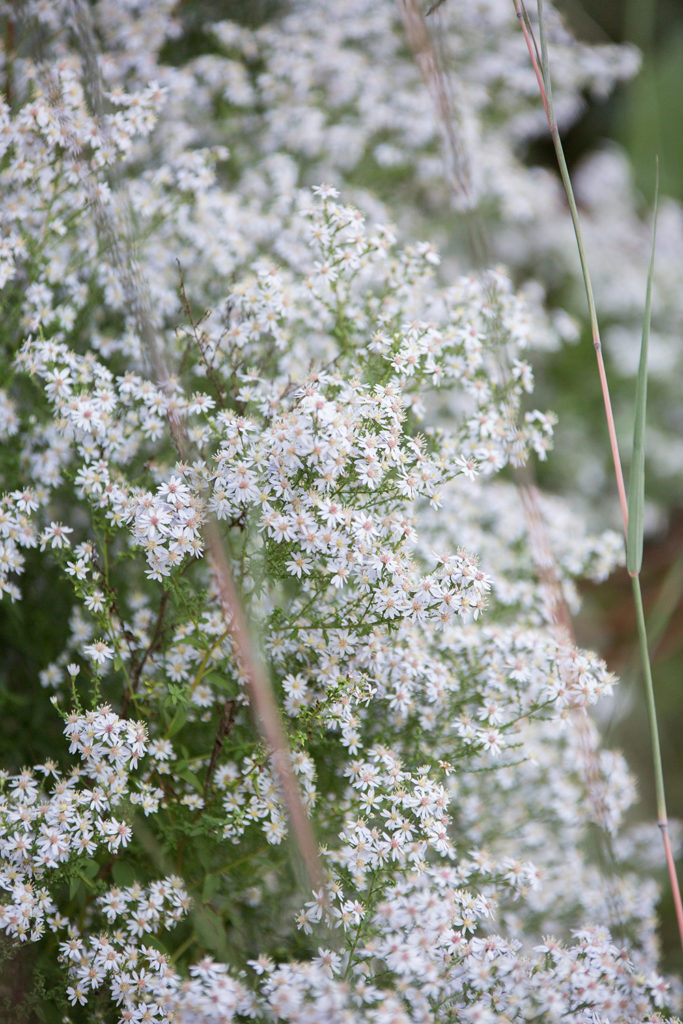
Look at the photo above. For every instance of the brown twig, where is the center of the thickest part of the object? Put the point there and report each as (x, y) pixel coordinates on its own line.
(224, 729)
(437, 85)
(194, 324)
(137, 666)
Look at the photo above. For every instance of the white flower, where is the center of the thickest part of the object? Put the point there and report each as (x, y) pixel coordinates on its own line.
(99, 652)
(55, 535)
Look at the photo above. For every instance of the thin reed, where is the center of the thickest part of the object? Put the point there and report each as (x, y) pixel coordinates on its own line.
(632, 507)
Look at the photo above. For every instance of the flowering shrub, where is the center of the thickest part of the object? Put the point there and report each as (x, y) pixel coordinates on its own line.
(271, 361)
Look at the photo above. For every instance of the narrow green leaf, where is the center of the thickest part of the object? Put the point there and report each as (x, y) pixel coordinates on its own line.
(636, 483)
(124, 873)
(177, 722)
(219, 680)
(212, 884)
(190, 777)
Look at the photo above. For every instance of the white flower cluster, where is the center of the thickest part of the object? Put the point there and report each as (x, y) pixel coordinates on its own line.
(342, 417)
(132, 973)
(252, 795)
(361, 113)
(41, 830)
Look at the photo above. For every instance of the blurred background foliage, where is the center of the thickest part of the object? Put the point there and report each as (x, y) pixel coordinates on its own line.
(644, 115)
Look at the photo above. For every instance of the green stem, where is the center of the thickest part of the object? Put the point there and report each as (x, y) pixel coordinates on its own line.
(547, 96)
(184, 947)
(662, 819)
(226, 868)
(650, 701)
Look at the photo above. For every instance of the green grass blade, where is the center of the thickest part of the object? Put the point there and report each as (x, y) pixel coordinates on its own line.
(636, 482)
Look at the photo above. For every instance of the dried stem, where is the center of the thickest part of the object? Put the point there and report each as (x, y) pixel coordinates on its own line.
(224, 729)
(560, 622)
(557, 613)
(260, 691)
(427, 60)
(448, 116)
(210, 371)
(263, 702)
(136, 670)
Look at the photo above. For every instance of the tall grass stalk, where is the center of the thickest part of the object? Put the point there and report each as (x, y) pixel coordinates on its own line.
(632, 507)
(540, 66)
(634, 561)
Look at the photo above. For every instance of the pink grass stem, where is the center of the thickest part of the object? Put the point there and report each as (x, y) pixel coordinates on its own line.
(673, 877)
(263, 703)
(612, 431)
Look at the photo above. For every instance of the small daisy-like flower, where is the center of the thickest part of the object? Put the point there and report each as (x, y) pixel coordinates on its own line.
(115, 833)
(99, 652)
(326, 191)
(76, 994)
(56, 535)
(299, 564)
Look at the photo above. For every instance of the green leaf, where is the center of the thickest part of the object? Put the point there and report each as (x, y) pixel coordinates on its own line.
(177, 722)
(212, 884)
(177, 695)
(636, 483)
(216, 679)
(156, 943)
(90, 868)
(211, 932)
(124, 874)
(188, 776)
